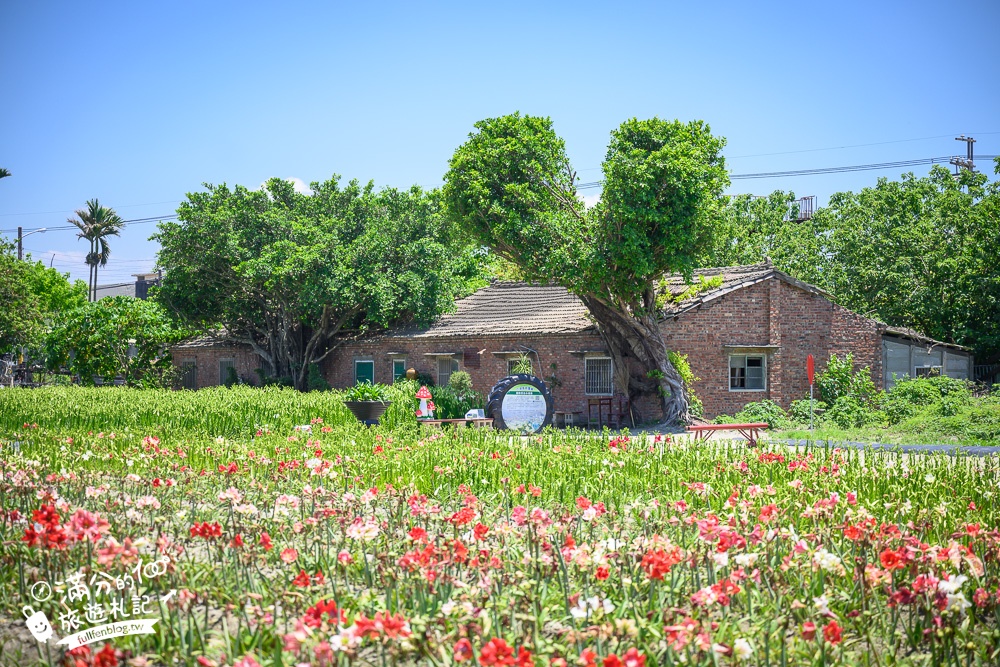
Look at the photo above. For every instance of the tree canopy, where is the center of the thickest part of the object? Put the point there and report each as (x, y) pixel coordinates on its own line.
(21, 318)
(285, 272)
(96, 223)
(512, 187)
(117, 336)
(917, 252)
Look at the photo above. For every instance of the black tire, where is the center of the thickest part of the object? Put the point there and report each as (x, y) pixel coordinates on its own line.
(500, 389)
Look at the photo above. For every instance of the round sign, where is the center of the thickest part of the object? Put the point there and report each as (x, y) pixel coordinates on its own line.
(520, 403)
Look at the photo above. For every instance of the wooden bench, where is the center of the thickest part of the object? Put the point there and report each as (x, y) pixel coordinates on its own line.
(749, 431)
(460, 423)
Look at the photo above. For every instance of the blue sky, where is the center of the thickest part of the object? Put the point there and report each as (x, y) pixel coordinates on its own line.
(139, 103)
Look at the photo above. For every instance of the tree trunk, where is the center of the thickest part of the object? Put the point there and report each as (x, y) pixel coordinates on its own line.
(640, 355)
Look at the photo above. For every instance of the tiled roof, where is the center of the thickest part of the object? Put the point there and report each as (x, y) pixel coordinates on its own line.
(913, 334)
(507, 309)
(733, 278)
(210, 339)
(116, 289)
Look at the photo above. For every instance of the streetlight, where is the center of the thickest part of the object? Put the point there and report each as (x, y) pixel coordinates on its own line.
(20, 236)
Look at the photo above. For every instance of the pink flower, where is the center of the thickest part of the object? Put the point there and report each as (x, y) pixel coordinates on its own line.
(289, 555)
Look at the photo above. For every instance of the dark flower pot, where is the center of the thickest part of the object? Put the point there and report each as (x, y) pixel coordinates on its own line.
(367, 412)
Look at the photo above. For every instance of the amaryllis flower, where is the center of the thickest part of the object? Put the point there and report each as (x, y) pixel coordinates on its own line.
(832, 633)
(658, 562)
(462, 651)
(496, 652)
(289, 555)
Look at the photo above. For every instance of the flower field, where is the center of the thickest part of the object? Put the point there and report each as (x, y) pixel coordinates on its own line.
(265, 528)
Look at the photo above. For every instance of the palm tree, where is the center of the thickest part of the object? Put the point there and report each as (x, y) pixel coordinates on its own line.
(95, 223)
(4, 173)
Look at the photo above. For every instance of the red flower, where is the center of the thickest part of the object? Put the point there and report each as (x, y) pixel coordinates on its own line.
(524, 658)
(462, 516)
(480, 531)
(106, 657)
(658, 562)
(892, 560)
(236, 542)
(809, 631)
(462, 650)
(314, 615)
(265, 541)
(589, 658)
(301, 580)
(613, 661)
(602, 573)
(832, 633)
(496, 652)
(633, 658)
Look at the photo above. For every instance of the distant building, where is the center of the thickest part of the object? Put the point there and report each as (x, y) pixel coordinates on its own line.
(138, 289)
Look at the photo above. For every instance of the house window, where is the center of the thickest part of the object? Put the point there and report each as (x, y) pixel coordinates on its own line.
(511, 364)
(446, 366)
(398, 369)
(189, 374)
(364, 372)
(227, 371)
(597, 371)
(746, 372)
(926, 371)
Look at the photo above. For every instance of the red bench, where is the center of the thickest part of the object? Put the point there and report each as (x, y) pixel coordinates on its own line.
(749, 431)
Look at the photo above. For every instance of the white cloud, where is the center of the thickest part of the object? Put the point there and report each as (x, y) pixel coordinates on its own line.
(591, 200)
(298, 185)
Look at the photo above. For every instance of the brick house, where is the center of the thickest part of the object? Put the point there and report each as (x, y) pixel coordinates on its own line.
(747, 333)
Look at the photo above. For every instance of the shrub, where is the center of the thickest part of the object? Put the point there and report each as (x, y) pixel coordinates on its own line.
(848, 412)
(800, 411)
(315, 381)
(524, 365)
(460, 382)
(449, 404)
(840, 379)
(766, 411)
(367, 392)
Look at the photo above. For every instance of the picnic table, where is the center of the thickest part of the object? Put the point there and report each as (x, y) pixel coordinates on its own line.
(749, 431)
(477, 422)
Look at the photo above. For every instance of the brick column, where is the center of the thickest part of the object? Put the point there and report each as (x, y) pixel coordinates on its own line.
(775, 384)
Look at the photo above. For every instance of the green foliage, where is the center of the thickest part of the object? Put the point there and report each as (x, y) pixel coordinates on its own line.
(21, 318)
(840, 379)
(425, 379)
(316, 381)
(512, 188)
(849, 412)
(56, 294)
(916, 252)
(701, 285)
(800, 411)
(232, 378)
(364, 391)
(680, 362)
(524, 365)
(285, 271)
(460, 382)
(766, 411)
(451, 404)
(116, 336)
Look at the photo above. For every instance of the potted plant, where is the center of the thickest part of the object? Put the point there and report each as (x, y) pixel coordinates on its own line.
(367, 402)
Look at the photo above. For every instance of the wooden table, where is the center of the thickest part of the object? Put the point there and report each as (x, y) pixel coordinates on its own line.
(749, 431)
(459, 423)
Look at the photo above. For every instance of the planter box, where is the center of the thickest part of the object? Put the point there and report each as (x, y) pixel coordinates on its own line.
(367, 412)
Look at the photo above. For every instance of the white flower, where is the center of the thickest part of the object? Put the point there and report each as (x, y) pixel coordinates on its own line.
(742, 649)
(721, 559)
(447, 608)
(822, 605)
(929, 478)
(746, 560)
(589, 514)
(958, 603)
(363, 529)
(952, 585)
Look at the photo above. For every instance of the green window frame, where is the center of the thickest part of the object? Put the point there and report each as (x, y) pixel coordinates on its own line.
(398, 369)
(364, 371)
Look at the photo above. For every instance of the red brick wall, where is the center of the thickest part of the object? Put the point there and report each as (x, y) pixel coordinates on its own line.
(207, 361)
(772, 313)
(569, 395)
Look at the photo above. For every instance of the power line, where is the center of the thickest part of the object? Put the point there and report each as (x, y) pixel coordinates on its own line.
(820, 170)
(152, 203)
(837, 148)
(135, 221)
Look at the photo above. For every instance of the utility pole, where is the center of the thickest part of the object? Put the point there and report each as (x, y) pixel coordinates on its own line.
(966, 162)
(20, 248)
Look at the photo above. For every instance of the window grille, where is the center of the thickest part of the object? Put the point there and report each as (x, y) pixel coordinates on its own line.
(598, 376)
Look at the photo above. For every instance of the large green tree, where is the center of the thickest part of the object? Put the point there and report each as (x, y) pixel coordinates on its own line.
(115, 337)
(285, 272)
(512, 187)
(96, 223)
(56, 294)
